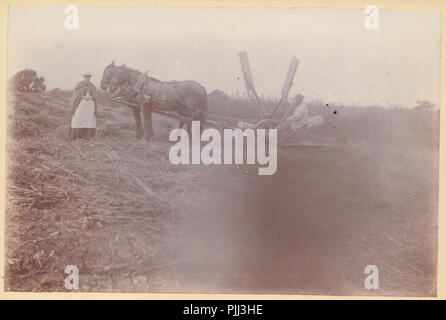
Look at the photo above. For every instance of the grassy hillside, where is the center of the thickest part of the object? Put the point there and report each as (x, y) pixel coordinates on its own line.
(64, 195)
(115, 207)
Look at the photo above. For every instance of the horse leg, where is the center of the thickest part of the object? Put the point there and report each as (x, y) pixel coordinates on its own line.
(188, 123)
(189, 127)
(148, 120)
(137, 116)
(196, 109)
(200, 116)
(185, 113)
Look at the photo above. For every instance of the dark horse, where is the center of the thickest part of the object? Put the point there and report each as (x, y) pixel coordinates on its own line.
(188, 98)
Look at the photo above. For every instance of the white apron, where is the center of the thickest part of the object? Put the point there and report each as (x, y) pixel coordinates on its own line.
(84, 116)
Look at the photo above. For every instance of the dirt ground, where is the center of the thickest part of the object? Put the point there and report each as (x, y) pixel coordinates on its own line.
(132, 222)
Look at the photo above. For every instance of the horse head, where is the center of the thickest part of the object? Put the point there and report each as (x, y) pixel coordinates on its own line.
(119, 81)
(107, 75)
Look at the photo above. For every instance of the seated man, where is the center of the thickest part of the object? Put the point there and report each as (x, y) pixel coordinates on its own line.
(298, 119)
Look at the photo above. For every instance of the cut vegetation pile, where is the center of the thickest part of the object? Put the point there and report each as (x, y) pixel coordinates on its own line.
(116, 208)
(63, 196)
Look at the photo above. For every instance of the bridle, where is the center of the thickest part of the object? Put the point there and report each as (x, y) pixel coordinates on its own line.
(107, 77)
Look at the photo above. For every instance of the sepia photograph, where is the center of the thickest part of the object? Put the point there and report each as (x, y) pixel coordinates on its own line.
(222, 150)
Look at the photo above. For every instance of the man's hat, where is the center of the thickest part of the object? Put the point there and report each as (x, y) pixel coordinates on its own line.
(89, 74)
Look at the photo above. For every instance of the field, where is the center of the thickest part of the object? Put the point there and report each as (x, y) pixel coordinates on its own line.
(130, 221)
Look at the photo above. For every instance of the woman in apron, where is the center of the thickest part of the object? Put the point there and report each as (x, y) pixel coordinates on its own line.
(84, 109)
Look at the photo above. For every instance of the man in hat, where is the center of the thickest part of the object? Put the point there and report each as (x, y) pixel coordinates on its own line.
(298, 119)
(83, 109)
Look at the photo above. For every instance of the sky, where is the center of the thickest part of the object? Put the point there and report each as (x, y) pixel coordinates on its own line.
(340, 60)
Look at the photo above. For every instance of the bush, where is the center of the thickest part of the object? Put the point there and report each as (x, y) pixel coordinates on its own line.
(28, 81)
